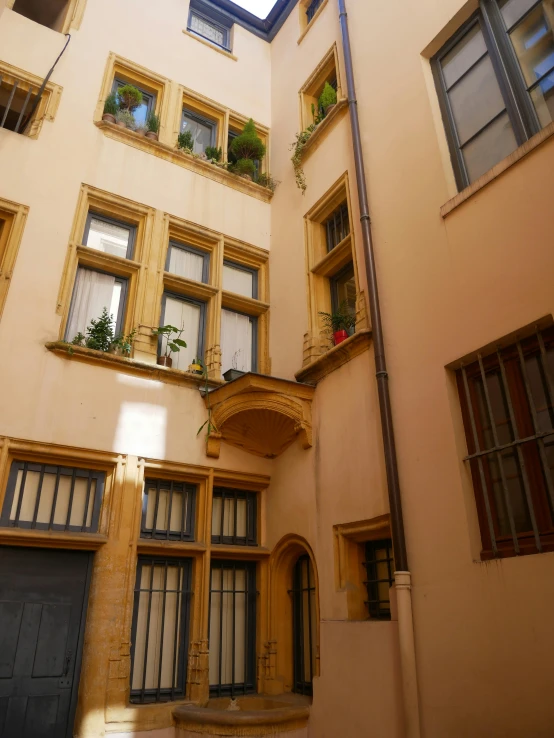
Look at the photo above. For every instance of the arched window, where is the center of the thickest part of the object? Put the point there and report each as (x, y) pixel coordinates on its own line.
(304, 625)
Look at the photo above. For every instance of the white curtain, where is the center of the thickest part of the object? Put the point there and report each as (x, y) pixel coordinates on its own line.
(222, 637)
(92, 293)
(229, 517)
(236, 341)
(108, 237)
(185, 316)
(32, 486)
(185, 264)
(238, 281)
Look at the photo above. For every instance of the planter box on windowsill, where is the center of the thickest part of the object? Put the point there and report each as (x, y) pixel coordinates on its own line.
(128, 365)
(324, 127)
(177, 156)
(335, 357)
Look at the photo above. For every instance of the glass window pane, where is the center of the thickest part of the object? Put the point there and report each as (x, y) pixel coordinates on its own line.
(475, 100)
(488, 148)
(533, 43)
(344, 291)
(202, 131)
(141, 113)
(238, 281)
(207, 30)
(236, 341)
(92, 293)
(543, 99)
(512, 10)
(186, 316)
(108, 237)
(185, 263)
(463, 55)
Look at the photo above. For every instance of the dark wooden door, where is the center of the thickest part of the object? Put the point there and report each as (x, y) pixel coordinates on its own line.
(43, 599)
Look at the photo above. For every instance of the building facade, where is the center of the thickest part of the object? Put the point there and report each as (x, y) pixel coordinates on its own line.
(148, 567)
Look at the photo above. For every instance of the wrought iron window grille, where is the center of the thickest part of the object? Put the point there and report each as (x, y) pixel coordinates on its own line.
(304, 625)
(379, 566)
(508, 408)
(48, 497)
(168, 510)
(337, 227)
(160, 630)
(234, 517)
(232, 642)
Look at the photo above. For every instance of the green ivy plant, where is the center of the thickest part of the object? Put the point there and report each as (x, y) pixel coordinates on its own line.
(297, 148)
(172, 344)
(266, 180)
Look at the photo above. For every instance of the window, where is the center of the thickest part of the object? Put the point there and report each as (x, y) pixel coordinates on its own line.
(215, 31)
(12, 224)
(326, 71)
(343, 290)
(507, 402)
(304, 625)
(16, 105)
(496, 83)
(240, 279)
(234, 517)
(49, 497)
(203, 130)
(51, 14)
(312, 9)
(232, 645)
(239, 340)
(168, 510)
(147, 106)
(188, 315)
(232, 159)
(94, 291)
(379, 566)
(337, 226)
(186, 261)
(109, 235)
(160, 635)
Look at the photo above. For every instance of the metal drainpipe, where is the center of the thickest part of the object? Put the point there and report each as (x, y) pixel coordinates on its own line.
(402, 574)
(43, 86)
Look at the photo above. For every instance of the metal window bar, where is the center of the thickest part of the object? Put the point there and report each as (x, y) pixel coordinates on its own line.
(47, 497)
(161, 647)
(337, 227)
(218, 687)
(226, 517)
(312, 9)
(168, 510)
(302, 592)
(13, 118)
(378, 606)
(519, 353)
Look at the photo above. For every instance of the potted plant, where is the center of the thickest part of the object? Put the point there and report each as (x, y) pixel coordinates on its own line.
(245, 148)
(234, 373)
(153, 126)
(327, 99)
(196, 367)
(213, 153)
(122, 345)
(110, 108)
(129, 98)
(125, 119)
(141, 130)
(339, 323)
(100, 333)
(172, 344)
(185, 141)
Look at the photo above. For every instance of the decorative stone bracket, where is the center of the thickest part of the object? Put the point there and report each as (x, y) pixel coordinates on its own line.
(259, 414)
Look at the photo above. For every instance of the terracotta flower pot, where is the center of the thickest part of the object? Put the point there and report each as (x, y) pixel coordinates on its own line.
(165, 361)
(339, 337)
(246, 176)
(152, 135)
(329, 108)
(108, 117)
(121, 123)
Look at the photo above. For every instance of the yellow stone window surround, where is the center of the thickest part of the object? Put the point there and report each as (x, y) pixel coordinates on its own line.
(171, 98)
(148, 280)
(309, 93)
(12, 222)
(74, 13)
(49, 102)
(303, 6)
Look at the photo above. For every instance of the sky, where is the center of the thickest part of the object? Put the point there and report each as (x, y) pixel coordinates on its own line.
(260, 8)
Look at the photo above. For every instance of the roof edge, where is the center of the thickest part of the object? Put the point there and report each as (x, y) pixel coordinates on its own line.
(266, 28)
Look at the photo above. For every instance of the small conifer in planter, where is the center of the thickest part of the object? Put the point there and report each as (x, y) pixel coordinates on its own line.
(185, 140)
(153, 126)
(129, 98)
(213, 153)
(327, 99)
(110, 108)
(247, 146)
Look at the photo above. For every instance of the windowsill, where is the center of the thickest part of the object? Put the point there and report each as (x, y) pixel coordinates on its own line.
(498, 169)
(241, 552)
(52, 539)
(130, 366)
(175, 156)
(324, 127)
(153, 545)
(311, 23)
(207, 43)
(335, 358)
(335, 259)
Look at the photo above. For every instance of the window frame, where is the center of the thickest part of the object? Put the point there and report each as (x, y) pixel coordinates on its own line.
(187, 532)
(333, 284)
(113, 221)
(251, 538)
(202, 326)
(249, 270)
(152, 96)
(198, 118)
(155, 695)
(255, 342)
(59, 470)
(508, 75)
(120, 319)
(226, 30)
(249, 685)
(372, 582)
(312, 9)
(174, 243)
(340, 210)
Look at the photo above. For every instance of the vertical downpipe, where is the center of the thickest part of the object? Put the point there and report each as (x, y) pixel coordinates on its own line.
(402, 576)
